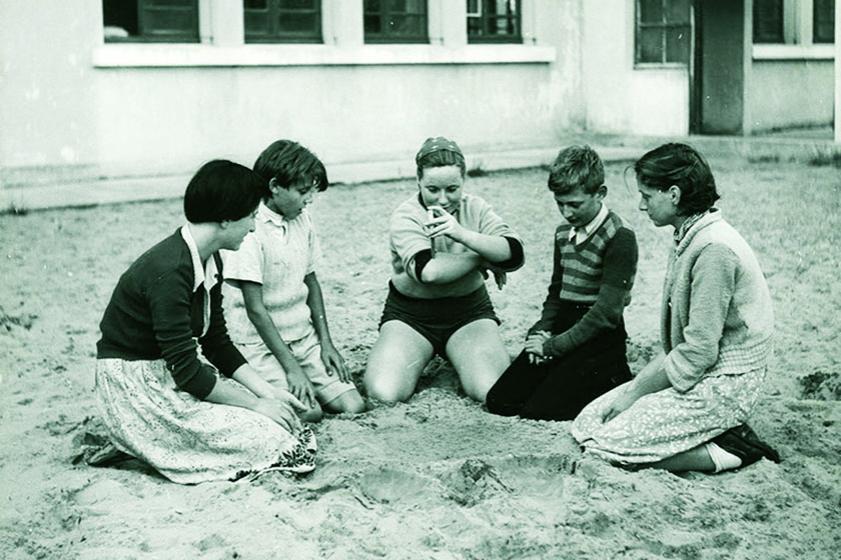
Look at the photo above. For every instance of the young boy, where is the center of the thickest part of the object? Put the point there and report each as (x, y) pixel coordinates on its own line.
(272, 298)
(576, 351)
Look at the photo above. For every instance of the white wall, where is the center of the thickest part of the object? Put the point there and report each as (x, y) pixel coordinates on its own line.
(791, 93)
(619, 97)
(68, 101)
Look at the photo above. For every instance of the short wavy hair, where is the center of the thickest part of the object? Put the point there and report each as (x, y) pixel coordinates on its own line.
(576, 167)
(680, 165)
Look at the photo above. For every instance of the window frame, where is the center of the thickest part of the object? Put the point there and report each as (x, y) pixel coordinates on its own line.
(384, 37)
(823, 39)
(156, 36)
(484, 19)
(664, 25)
(275, 11)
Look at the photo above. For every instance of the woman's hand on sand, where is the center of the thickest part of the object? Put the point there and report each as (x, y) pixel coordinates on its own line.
(334, 362)
(443, 223)
(300, 386)
(534, 346)
(282, 411)
(622, 403)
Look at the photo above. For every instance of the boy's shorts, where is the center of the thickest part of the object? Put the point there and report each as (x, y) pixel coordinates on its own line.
(437, 319)
(308, 353)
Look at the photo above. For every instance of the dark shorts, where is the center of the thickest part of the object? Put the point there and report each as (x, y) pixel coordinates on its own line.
(438, 318)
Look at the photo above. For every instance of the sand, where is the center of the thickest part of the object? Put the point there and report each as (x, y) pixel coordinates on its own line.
(436, 477)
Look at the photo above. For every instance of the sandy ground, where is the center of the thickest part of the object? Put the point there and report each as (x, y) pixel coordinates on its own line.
(436, 477)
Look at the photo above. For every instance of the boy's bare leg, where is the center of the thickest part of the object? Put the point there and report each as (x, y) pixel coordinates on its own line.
(396, 362)
(479, 357)
(349, 401)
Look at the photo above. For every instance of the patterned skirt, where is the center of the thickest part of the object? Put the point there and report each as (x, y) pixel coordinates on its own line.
(665, 423)
(186, 439)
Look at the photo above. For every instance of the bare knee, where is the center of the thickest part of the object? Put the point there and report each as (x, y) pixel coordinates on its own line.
(312, 415)
(350, 401)
(387, 391)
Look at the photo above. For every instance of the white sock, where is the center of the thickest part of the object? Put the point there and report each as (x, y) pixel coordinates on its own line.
(723, 460)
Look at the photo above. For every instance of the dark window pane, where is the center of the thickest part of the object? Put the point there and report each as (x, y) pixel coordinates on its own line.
(767, 21)
(677, 44)
(373, 24)
(473, 6)
(297, 23)
(407, 6)
(256, 23)
(824, 21)
(651, 11)
(297, 4)
(678, 11)
(405, 25)
(650, 45)
(120, 17)
(373, 6)
(164, 22)
(256, 4)
(499, 22)
(474, 26)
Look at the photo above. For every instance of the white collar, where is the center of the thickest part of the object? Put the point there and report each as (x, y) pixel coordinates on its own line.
(582, 233)
(268, 215)
(206, 274)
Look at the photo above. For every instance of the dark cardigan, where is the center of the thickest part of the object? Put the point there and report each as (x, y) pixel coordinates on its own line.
(154, 314)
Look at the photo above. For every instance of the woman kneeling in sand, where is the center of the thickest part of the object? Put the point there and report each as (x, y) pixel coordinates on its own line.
(687, 409)
(442, 244)
(159, 402)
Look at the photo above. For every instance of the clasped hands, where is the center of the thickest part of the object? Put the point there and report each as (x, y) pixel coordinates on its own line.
(442, 223)
(534, 347)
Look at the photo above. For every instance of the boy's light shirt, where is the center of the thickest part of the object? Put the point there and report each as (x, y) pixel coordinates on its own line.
(278, 254)
(581, 234)
(202, 275)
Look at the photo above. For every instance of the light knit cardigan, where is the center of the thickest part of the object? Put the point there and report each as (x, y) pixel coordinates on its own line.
(716, 317)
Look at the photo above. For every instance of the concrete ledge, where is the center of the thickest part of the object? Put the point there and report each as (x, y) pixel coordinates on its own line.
(55, 190)
(60, 193)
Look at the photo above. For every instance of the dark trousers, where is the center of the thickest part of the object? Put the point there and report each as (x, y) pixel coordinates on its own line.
(559, 388)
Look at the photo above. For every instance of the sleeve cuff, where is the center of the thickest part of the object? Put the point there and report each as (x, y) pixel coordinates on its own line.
(201, 384)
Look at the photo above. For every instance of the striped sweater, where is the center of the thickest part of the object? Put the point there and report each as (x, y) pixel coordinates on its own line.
(598, 272)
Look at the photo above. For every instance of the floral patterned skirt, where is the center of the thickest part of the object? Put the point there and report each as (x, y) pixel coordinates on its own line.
(186, 439)
(665, 423)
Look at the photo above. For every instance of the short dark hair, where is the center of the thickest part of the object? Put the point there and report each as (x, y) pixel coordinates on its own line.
(288, 162)
(440, 152)
(680, 165)
(221, 191)
(576, 167)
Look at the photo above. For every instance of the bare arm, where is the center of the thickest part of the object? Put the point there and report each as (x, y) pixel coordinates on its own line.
(651, 379)
(447, 267)
(492, 248)
(280, 408)
(315, 301)
(252, 294)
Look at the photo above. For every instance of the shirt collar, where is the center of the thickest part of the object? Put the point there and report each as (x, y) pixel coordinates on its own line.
(594, 224)
(268, 215)
(687, 224)
(206, 274)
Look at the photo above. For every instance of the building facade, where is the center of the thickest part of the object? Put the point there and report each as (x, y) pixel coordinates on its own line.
(141, 87)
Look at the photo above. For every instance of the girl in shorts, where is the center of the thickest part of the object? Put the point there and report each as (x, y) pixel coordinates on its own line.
(443, 243)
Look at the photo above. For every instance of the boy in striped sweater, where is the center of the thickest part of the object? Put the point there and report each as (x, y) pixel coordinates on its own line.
(576, 351)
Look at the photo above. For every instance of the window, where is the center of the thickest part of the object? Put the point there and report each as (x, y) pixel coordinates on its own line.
(174, 21)
(395, 21)
(663, 32)
(768, 21)
(823, 21)
(282, 21)
(493, 21)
